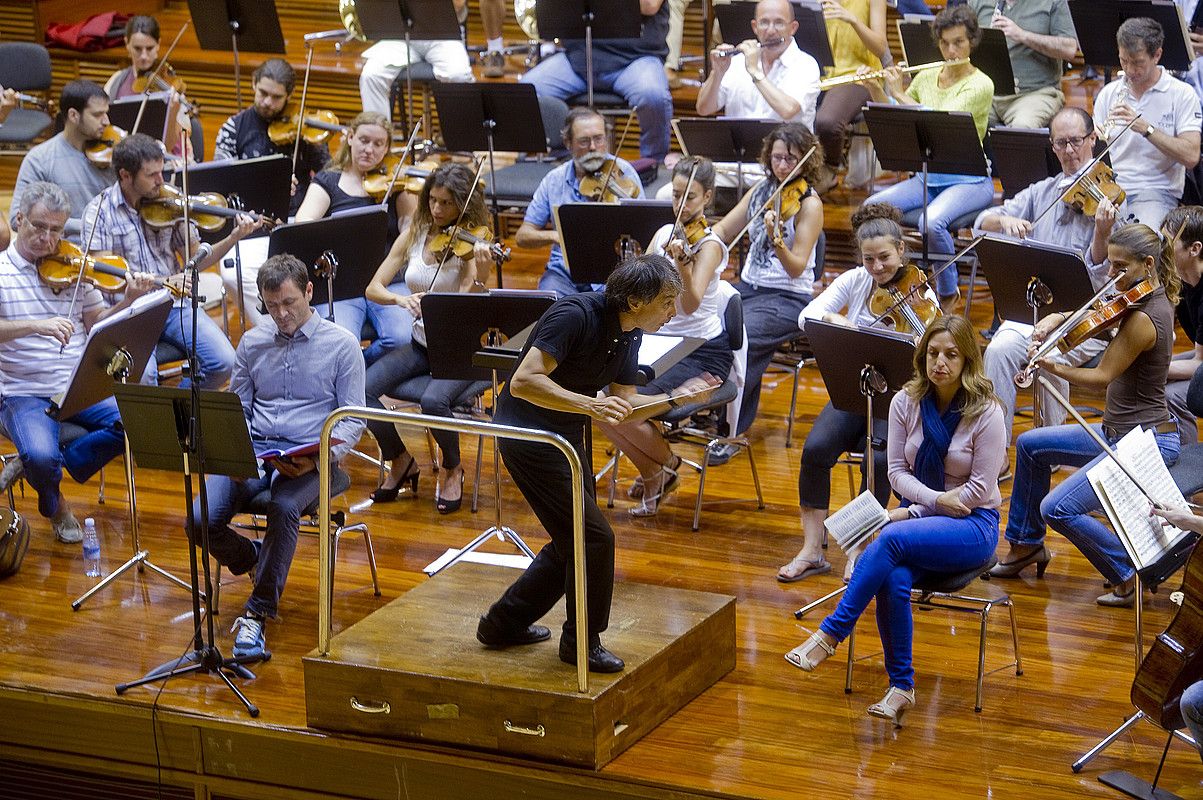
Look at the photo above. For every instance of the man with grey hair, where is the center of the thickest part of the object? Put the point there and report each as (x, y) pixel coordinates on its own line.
(42, 336)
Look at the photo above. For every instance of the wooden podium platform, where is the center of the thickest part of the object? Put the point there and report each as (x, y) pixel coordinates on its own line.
(414, 670)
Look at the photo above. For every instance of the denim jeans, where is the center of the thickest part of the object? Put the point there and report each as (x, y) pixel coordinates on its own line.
(901, 553)
(552, 280)
(393, 324)
(770, 320)
(36, 436)
(213, 348)
(944, 204)
(1067, 508)
(1192, 711)
(642, 83)
(835, 432)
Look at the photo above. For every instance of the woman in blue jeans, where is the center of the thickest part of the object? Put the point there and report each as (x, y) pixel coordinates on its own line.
(1133, 370)
(946, 445)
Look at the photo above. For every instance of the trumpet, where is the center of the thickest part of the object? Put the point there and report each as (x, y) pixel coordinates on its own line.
(737, 52)
(881, 73)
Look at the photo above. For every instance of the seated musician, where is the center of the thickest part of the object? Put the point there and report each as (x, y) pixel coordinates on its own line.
(1073, 138)
(61, 160)
(292, 372)
(960, 87)
(244, 135)
(443, 196)
(42, 336)
(1040, 39)
(121, 228)
(340, 187)
(945, 448)
(633, 68)
(1133, 372)
(700, 265)
(585, 135)
(1151, 159)
(848, 301)
(142, 45)
(1184, 225)
(778, 276)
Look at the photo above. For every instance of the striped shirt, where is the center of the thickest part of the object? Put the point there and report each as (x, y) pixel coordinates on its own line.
(120, 229)
(32, 366)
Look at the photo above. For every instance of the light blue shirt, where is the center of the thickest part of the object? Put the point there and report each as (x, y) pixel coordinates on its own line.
(560, 186)
(288, 385)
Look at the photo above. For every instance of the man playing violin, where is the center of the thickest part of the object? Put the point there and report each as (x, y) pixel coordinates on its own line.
(1073, 138)
(584, 134)
(42, 336)
(84, 108)
(120, 229)
(244, 135)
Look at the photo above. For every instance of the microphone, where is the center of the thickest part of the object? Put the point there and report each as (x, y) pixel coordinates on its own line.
(202, 252)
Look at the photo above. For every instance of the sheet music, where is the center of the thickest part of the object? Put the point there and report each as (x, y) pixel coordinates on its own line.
(655, 346)
(1143, 536)
(857, 521)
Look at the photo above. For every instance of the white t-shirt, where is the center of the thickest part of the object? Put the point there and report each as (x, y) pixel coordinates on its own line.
(419, 274)
(796, 73)
(1169, 105)
(849, 295)
(704, 322)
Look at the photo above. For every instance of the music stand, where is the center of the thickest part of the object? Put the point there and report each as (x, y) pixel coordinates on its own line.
(991, 55)
(596, 237)
(724, 139)
(227, 24)
(1021, 157)
(457, 327)
(158, 419)
(735, 24)
(1098, 20)
(862, 369)
(909, 139)
(124, 113)
(353, 243)
(575, 19)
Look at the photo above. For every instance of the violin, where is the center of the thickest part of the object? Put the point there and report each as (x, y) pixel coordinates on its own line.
(29, 100)
(462, 240)
(608, 185)
(692, 233)
(376, 181)
(107, 272)
(165, 80)
(99, 151)
(1088, 191)
(208, 210)
(317, 128)
(903, 303)
(787, 205)
(1107, 314)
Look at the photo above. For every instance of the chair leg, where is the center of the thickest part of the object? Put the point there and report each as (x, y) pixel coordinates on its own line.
(613, 482)
(480, 454)
(216, 587)
(697, 505)
(851, 640)
(755, 476)
(1014, 636)
(981, 658)
(100, 491)
(362, 528)
(793, 407)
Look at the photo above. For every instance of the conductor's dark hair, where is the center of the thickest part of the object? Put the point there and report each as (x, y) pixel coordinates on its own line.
(278, 70)
(641, 279)
(77, 95)
(953, 16)
(280, 269)
(141, 23)
(135, 150)
(1140, 34)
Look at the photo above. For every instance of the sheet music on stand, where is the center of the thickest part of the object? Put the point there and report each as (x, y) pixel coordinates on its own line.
(856, 522)
(1143, 536)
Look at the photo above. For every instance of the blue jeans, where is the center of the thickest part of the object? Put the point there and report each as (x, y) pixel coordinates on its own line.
(944, 204)
(213, 348)
(1068, 507)
(393, 324)
(770, 320)
(642, 83)
(552, 280)
(1192, 711)
(902, 552)
(36, 436)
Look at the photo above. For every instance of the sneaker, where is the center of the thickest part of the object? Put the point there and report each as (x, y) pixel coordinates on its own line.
(13, 470)
(249, 641)
(717, 456)
(492, 64)
(67, 529)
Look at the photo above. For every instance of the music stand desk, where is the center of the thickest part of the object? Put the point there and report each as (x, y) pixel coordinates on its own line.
(592, 233)
(842, 353)
(263, 184)
(991, 55)
(1011, 264)
(1097, 21)
(358, 239)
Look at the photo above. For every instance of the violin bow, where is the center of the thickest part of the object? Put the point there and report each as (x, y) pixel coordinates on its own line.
(793, 173)
(681, 211)
(83, 266)
(480, 163)
(150, 80)
(401, 164)
(626, 128)
(296, 145)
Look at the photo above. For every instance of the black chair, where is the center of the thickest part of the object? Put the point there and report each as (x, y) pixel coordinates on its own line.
(1188, 471)
(516, 184)
(24, 66)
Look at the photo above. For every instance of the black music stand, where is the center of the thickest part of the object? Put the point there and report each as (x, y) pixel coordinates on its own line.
(735, 23)
(1020, 157)
(862, 369)
(237, 25)
(991, 55)
(724, 139)
(124, 113)
(586, 19)
(158, 421)
(353, 244)
(596, 237)
(1098, 20)
(457, 327)
(909, 139)
(491, 117)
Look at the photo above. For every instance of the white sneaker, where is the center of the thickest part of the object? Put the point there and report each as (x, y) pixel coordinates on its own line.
(249, 642)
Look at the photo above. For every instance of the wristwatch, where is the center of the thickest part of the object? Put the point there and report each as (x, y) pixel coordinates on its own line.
(1148, 131)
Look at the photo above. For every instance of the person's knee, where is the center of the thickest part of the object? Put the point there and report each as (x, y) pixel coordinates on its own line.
(436, 405)
(1007, 350)
(1191, 703)
(284, 513)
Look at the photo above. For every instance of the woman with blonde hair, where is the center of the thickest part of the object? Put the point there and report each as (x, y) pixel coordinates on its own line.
(946, 445)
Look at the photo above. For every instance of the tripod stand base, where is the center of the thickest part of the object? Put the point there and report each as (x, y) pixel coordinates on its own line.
(140, 559)
(1133, 786)
(502, 532)
(209, 661)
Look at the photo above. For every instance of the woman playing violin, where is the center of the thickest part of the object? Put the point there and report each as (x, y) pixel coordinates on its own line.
(1133, 371)
(142, 44)
(700, 256)
(778, 276)
(847, 301)
(443, 197)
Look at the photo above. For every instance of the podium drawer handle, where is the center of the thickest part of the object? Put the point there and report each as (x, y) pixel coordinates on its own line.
(376, 708)
(536, 731)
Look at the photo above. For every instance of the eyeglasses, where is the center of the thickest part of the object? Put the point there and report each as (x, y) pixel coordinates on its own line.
(1071, 143)
(45, 230)
(590, 141)
(788, 159)
(772, 24)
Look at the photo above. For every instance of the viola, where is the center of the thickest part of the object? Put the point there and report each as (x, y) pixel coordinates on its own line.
(462, 240)
(1108, 314)
(608, 185)
(99, 151)
(208, 210)
(1091, 188)
(107, 272)
(902, 301)
(317, 128)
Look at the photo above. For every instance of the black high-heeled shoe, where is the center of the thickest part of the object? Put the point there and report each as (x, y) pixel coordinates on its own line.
(384, 494)
(450, 506)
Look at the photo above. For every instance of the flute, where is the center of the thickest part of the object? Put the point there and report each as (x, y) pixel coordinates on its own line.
(737, 52)
(881, 73)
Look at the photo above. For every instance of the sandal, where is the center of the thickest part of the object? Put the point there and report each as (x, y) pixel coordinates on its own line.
(884, 709)
(795, 571)
(800, 655)
(668, 479)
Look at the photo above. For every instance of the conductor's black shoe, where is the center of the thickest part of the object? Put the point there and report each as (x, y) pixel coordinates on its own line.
(488, 634)
(600, 659)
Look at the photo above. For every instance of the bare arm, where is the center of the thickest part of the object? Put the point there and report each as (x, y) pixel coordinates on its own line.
(1183, 369)
(532, 382)
(315, 205)
(531, 238)
(708, 96)
(728, 226)
(1064, 48)
(808, 224)
(695, 274)
(649, 7)
(1136, 335)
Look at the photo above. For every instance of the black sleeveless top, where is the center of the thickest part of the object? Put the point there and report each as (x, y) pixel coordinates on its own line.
(339, 200)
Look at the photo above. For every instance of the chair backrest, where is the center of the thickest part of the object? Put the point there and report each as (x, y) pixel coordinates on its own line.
(820, 256)
(733, 321)
(554, 111)
(24, 66)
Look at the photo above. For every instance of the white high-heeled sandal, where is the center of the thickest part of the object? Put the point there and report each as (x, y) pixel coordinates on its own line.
(883, 710)
(799, 656)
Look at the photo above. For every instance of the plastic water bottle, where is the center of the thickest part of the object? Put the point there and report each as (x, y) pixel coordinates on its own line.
(91, 549)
